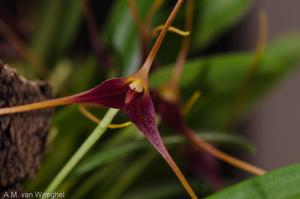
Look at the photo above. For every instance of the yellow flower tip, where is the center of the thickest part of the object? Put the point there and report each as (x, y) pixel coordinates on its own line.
(171, 29)
(181, 178)
(118, 126)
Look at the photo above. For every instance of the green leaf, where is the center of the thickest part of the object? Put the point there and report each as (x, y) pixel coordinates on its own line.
(214, 17)
(278, 184)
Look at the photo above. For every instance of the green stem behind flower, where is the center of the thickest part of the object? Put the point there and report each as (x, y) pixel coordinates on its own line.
(83, 149)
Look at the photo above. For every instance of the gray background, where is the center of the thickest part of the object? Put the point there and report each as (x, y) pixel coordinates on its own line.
(275, 122)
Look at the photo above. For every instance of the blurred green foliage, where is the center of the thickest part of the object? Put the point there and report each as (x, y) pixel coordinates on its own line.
(122, 164)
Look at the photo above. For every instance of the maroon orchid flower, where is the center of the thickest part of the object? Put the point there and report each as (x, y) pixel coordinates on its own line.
(167, 103)
(130, 94)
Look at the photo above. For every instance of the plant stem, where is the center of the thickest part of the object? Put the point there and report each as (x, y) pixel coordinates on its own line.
(202, 145)
(152, 54)
(174, 81)
(83, 149)
(253, 69)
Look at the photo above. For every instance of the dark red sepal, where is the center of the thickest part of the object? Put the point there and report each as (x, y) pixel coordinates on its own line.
(110, 93)
(140, 110)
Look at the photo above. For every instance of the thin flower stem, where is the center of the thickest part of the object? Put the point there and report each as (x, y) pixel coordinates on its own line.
(21, 48)
(259, 51)
(84, 111)
(202, 145)
(190, 103)
(83, 149)
(151, 56)
(136, 15)
(174, 82)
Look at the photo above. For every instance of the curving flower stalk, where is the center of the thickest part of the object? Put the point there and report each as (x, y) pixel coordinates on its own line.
(255, 65)
(130, 94)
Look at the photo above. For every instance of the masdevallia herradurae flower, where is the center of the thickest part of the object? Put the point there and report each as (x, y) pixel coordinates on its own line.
(130, 94)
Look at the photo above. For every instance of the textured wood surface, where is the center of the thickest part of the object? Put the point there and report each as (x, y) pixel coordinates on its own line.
(23, 136)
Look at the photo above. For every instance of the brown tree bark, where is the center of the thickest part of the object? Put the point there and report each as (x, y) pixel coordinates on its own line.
(23, 136)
